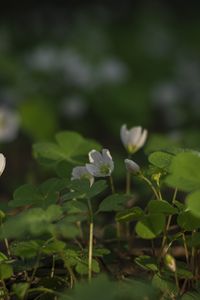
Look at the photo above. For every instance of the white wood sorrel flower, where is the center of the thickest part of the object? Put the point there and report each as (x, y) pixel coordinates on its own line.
(2, 163)
(101, 163)
(134, 138)
(81, 172)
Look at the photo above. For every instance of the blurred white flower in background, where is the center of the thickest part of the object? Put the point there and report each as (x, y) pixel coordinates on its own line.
(74, 107)
(43, 58)
(2, 163)
(9, 124)
(112, 70)
(156, 40)
(166, 93)
(75, 68)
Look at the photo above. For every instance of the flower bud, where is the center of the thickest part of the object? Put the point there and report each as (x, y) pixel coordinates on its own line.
(132, 167)
(170, 262)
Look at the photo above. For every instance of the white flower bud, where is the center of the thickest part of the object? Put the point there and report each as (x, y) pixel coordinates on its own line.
(133, 139)
(132, 167)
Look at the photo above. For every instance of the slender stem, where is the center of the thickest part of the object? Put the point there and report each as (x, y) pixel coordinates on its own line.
(186, 248)
(5, 289)
(128, 183)
(90, 252)
(35, 268)
(53, 267)
(193, 256)
(118, 225)
(6, 241)
(45, 290)
(112, 185)
(166, 229)
(90, 246)
(177, 282)
(151, 186)
(78, 223)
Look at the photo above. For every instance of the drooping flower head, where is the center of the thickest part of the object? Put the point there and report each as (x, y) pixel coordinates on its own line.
(81, 172)
(2, 163)
(132, 167)
(134, 138)
(101, 163)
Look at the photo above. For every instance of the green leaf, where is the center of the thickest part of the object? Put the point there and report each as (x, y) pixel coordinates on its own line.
(38, 118)
(161, 206)
(190, 296)
(3, 257)
(161, 160)
(69, 145)
(150, 226)
(20, 289)
(100, 252)
(164, 284)
(97, 188)
(25, 195)
(27, 249)
(6, 271)
(53, 247)
(147, 263)
(188, 221)
(182, 271)
(130, 214)
(82, 266)
(185, 172)
(75, 207)
(193, 203)
(113, 203)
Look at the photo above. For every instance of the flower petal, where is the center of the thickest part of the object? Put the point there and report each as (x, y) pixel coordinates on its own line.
(95, 157)
(134, 135)
(124, 133)
(2, 163)
(142, 139)
(93, 170)
(78, 172)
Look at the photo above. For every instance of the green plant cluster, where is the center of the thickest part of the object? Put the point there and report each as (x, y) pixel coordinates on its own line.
(60, 234)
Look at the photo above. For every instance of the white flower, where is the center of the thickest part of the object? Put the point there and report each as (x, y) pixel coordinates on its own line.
(132, 167)
(134, 138)
(9, 124)
(101, 164)
(2, 163)
(81, 172)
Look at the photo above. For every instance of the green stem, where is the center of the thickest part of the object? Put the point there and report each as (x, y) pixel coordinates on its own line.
(186, 248)
(46, 290)
(53, 267)
(128, 183)
(151, 186)
(112, 185)
(177, 282)
(90, 246)
(5, 289)
(167, 226)
(118, 225)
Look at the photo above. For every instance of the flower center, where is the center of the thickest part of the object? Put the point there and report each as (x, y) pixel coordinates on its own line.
(105, 169)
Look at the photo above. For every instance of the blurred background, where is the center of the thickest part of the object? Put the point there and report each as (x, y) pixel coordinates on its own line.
(91, 66)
